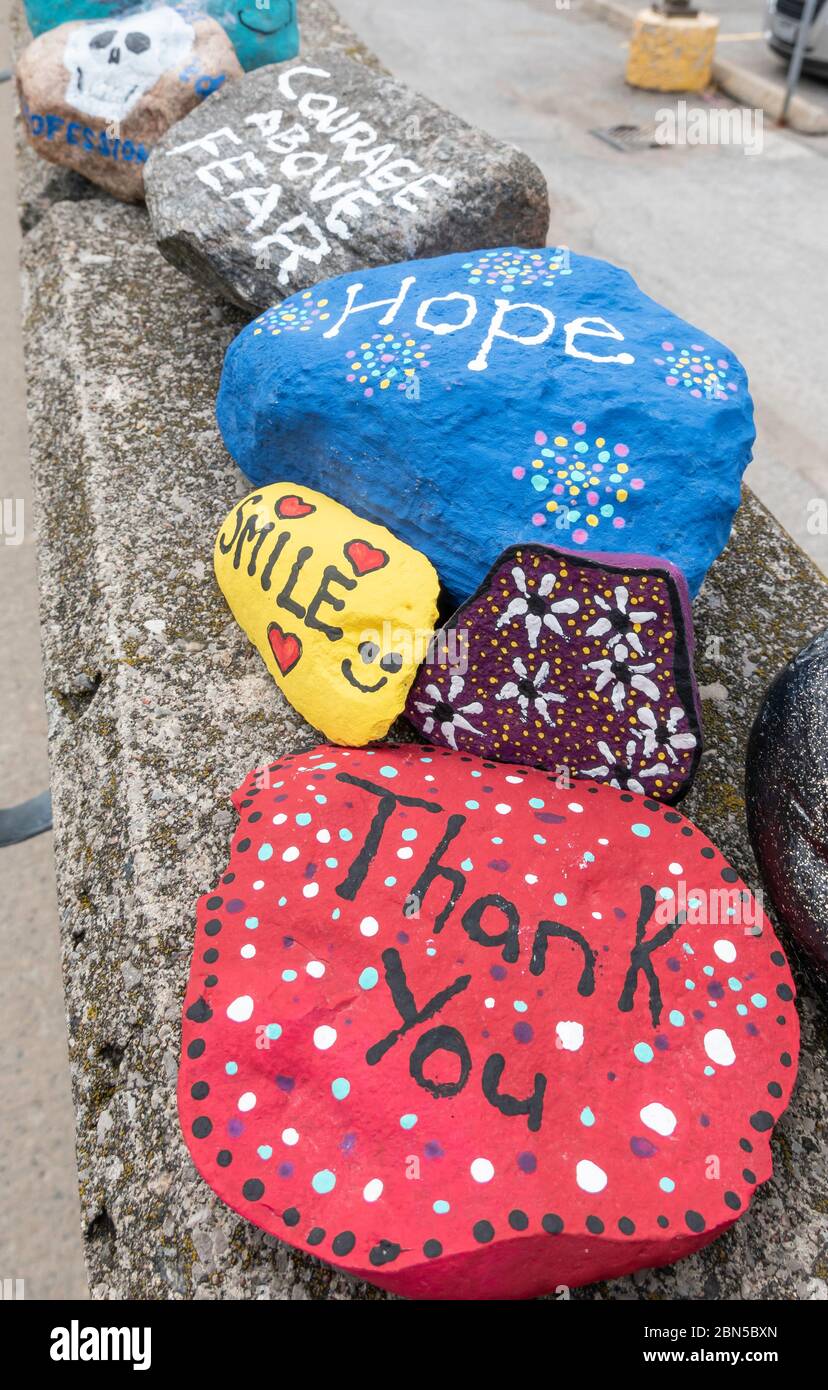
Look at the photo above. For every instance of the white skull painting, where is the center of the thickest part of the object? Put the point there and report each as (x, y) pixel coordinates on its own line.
(112, 64)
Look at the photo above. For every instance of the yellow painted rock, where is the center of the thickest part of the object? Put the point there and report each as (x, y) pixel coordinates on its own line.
(340, 610)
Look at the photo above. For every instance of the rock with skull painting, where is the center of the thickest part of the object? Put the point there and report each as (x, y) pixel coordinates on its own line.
(261, 31)
(581, 664)
(340, 611)
(97, 96)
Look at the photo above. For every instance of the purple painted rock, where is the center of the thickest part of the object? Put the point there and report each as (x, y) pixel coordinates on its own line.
(468, 1035)
(580, 664)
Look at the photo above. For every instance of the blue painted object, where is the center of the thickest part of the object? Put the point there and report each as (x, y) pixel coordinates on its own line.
(478, 400)
(263, 32)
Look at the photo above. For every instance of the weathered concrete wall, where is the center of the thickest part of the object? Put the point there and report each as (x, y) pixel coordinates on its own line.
(157, 707)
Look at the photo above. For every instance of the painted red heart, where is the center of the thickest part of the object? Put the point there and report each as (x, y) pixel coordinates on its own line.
(364, 558)
(291, 508)
(285, 647)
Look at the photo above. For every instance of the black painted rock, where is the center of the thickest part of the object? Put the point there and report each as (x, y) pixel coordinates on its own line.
(787, 796)
(319, 167)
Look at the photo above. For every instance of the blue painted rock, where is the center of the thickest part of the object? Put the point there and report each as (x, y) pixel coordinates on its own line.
(473, 402)
(261, 33)
(579, 664)
(465, 1034)
(97, 95)
(787, 797)
(324, 167)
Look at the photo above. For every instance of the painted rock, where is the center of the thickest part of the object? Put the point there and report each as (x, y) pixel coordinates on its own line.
(467, 1035)
(265, 32)
(580, 664)
(96, 96)
(340, 611)
(325, 167)
(787, 796)
(530, 394)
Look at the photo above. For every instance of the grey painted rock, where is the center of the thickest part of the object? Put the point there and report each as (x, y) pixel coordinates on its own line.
(305, 171)
(787, 796)
(96, 95)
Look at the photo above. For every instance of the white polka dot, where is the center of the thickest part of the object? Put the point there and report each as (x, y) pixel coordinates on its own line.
(502, 808)
(405, 852)
(570, 1036)
(248, 952)
(240, 1009)
(290, 854)
(259, 884)
(675, 868)
(247, 1101)
(719, 1048)
(602, 841)
(659, 1118)
(589, 1177)
(597, 916)
(290, 1137)
(315, 969)
(513, 779)
(310, 890)
(324, 1037)
(530, 878)
(482, 1170)
(324, 837)
(490, 1003)
(725, 950)
(372, 1191)
(576, 807)
(369, 926)
(280, 819)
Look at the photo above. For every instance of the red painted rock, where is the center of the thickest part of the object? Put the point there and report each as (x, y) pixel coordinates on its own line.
(581, 664)
(467, 1035)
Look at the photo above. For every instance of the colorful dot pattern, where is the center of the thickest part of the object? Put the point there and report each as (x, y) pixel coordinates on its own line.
(511, 269)
(572, 664)
(353, 1161)
(693, 370)
(298, 314)
(580, 482)
(386, 362)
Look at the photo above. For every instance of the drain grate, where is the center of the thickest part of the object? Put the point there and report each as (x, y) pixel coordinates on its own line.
(629, 137)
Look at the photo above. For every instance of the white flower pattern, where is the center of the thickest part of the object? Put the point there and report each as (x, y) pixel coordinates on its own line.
(536, 607)
(528, 691)
(442, 712)
(620, 620)
(663, 734)
(620, 773)
(617, 669)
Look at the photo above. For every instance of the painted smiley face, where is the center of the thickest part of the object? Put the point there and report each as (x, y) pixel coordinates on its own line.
(369, 651)
(269, 20)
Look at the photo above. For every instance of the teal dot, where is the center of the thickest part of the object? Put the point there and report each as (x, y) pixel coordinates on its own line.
(265, 852)
(734, 984)
(282, 902)
(497, 839)
(409, 833)
(643, 1052)
(520, 1006)
(539, 483)
(326, 767)
(323, 1181)
(741, 1009)
(264, 1151)
(604, 456)
(689, 984)
(467, 865)
(390, 882)
(288, 976)
(677, 1018)
(388, 771)
(641, 830)
(589, 858)
(581, 447)
(758, 1000)
(345, 835)
(274, 1031)
(587, 1117)
(431, 950)
(667, 1184)
(539, 839)
(231, 1068)
(251, 922)
(336, 914)
(708, 970)
(303, 818)
(472, 805)
(710, 1071)
(688, 949)
(408, 1121)
(477, 774)
(666, 893)
(320, 799)
(332, 863)
(441, 1208)
(559, 899)
(607, 509)
(368, 978)
(341, 1088)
